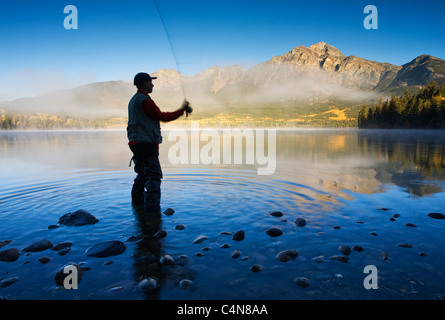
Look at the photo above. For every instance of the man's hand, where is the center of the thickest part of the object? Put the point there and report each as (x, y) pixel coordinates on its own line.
(187, 108)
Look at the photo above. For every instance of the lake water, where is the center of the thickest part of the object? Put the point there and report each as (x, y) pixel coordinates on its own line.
(347, 184)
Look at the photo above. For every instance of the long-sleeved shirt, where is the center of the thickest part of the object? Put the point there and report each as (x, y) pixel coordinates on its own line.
(153, 111)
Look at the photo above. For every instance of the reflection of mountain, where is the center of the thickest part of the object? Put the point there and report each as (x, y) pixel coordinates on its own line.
(413, 160)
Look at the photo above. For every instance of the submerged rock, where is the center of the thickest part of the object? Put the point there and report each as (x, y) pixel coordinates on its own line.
(39, 245)
(405, 245)
(287, 255)
(340, 258)
(346, 250)
(239, 235)
(302, 282)
(276, 214)
(167, 260)
(4, 243)
(61, 274)
(358, 248)
(274, 232)
(147, 285)
(180, 227)
(185, 284)
(200, 239)
(256, 268)
(10, 255)
(319, 259)
(160, 234)
(62, 245)
(436, 215)
(300, 222)
(8, 281)
(106, 249)
(169, 211)
(236, 254)
(77, 218)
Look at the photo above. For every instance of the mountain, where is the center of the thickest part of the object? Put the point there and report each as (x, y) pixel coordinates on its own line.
(305, 75)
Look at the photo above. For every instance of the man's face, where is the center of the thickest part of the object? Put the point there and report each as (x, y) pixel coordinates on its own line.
(148, 86)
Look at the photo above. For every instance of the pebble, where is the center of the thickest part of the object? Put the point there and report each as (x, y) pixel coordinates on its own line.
(276, 214)
(147, 285)
(236, 254)
(396, 215)
(4, 243)
(319, 259)
(167, 260)
(160, 234)
(62, 245)
(358, 248)
(300, 222)
(302, 282)
(410, 225)
(340, 258)
(336, 227)
(239, 235)
(44, 259)
(436, 215)
(169, 211)
(287, 255)
(185, 284)
(200, 239)
(199, 254)
(346, 250)
(274, 232)
(256, 268)
(225, 245)
(405, 245)
(8, 281)
(180, 227)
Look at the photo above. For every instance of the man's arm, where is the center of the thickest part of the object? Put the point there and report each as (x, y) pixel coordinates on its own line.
(153, 111)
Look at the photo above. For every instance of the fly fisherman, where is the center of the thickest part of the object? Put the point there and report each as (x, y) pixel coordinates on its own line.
(144, 135)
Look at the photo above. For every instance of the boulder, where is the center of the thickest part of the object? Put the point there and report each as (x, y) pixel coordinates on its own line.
(274, 232)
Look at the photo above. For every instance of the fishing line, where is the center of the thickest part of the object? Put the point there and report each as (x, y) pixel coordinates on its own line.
(171, 47)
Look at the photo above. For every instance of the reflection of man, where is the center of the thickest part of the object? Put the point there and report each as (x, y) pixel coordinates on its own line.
(144, 135)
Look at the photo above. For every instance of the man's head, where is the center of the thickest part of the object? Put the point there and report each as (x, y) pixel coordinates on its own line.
(144, 81)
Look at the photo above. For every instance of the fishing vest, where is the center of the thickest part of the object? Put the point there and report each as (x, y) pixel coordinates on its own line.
(142, 128)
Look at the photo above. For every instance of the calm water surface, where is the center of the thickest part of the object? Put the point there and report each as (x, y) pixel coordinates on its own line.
(355, 180)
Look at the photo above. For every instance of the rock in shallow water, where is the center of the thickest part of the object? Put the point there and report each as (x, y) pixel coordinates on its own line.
(147, 285)
(39, 245)
(300, 222)
(256, 268)
(274, 232)
(287, 255)
(302, 282)
(340, 258)
(346, 250)
(106, 249)
(200, 239)
(10, 255)
(169, 211)
(62, 273)
(77, 218)
(239, 235)
(436, 215)
(276, 214)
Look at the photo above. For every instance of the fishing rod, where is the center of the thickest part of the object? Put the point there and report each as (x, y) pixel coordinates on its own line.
(171, 48)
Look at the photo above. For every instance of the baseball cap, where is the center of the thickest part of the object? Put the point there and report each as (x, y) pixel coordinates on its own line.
(141, 77)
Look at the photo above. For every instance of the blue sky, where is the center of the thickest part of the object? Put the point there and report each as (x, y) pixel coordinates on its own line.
(116, 39)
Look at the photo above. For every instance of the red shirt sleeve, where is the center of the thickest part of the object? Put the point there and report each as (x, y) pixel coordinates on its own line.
(153, 111)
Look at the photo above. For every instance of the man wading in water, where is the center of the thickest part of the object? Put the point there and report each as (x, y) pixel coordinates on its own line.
(144, 135)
